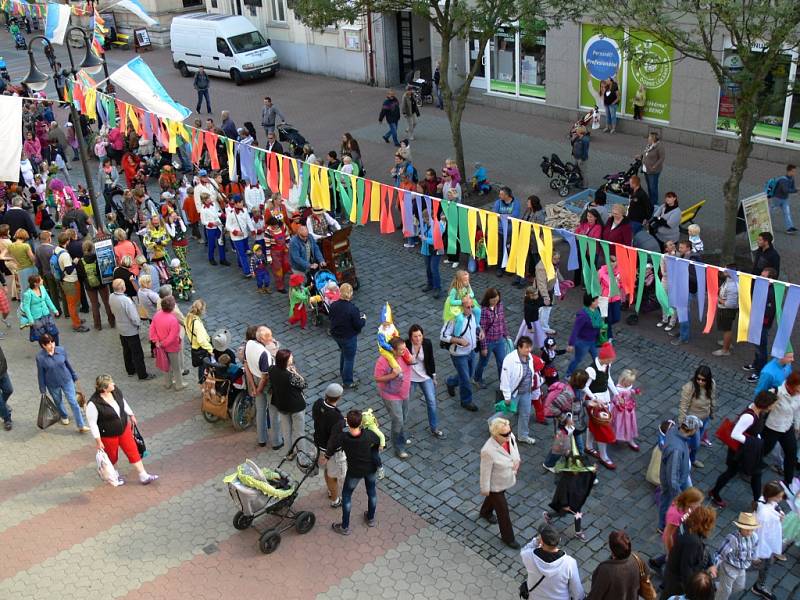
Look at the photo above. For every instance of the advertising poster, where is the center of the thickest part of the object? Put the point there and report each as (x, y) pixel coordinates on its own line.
(601, 58)
(650, 65)
(106, 262)
(756, 217)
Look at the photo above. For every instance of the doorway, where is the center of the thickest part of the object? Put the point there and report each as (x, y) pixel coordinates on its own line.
(413, 46)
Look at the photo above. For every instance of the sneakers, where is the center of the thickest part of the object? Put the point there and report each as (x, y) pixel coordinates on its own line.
(336, 503)
(752, 378)
(669, 327)
(762, 593)
(370, 522)
(546, 517)
(791, 230)
(402, 454)
(749, 367)
(81, 329)
(546, 468)
(698, 464)
(527, 440)
(337, 527)
(679, 342)
(65, 421)
(408, 245)
(83, 429)
(660, 324)
(381, 473)
(579, 534)
(721, 352)
(148, 480)
(707, 443)
(438, 433)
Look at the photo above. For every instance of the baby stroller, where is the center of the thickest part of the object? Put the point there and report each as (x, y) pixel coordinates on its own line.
(562, 175)
(225, 395)
(257, 492)
(617, 183)
(19, 41)
(323, 290)
(290, 134)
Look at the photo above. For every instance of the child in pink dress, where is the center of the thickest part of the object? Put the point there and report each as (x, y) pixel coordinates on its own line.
(623, 409)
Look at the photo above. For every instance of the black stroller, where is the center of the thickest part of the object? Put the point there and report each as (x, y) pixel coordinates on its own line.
(563, 176)
(19, 41)
(258, 492)
(289, 133)
(617, 183)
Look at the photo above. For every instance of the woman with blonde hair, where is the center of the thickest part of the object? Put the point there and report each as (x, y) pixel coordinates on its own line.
(500, 462)
(22, 254)
(199, 340)
(459, 289)
(157, 240)
(124, 247)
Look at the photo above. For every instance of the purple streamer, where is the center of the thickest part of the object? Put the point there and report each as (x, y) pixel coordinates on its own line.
(757, 309)
(790, 306)
(700, 273)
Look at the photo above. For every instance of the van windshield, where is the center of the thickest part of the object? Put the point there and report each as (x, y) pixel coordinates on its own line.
(246, 42)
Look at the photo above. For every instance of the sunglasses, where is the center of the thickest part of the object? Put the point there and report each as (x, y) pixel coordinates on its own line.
(506, 434)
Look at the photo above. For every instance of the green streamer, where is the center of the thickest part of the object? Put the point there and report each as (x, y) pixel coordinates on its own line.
(642, 275)
(661, 293)
(463, 229)
(303, 200)
(780, 292)
(347, 200)
(258, 164)
(359, 200)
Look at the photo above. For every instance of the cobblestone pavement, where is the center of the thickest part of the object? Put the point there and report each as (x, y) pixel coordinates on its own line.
(175, 540)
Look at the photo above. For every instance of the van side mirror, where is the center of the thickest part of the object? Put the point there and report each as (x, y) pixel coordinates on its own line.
(269, 42)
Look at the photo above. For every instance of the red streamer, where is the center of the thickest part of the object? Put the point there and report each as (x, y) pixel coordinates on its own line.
(387, 221)
(438, 242)
(365, 201)
(211, 146)
(712, 289)
(273, 175)
(286, 177)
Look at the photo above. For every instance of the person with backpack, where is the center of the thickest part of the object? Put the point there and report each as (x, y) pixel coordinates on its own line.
(89, 275)
(64, 270)
(778, 190)
(564, 403)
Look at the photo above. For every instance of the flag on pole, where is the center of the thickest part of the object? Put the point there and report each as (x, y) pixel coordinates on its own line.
(136, 78)
(99, 34)
(57, 22)
(136, 8)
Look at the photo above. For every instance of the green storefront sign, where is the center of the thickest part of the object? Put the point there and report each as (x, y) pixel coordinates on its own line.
(635, 60)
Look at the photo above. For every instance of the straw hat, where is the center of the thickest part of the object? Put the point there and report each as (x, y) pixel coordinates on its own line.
(746, 521)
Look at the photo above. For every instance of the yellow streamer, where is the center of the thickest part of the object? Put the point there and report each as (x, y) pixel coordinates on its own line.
(174, 130)
(133, 118)
(229, 146)
(472, 227)
(745, 302)
(375, 202)
(544, 242)
(524, 235)
(513, 231)
(90, 97)
(492, 243)
(325, 188)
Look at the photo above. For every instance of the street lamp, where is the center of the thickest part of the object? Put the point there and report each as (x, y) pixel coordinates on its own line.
(36, 80)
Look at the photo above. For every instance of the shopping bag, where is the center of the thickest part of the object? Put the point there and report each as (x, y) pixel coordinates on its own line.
(654, 468)
(509, 344)
(140, 445)
(162, 360)
(105, 470)
(48, 412)
(724, 432)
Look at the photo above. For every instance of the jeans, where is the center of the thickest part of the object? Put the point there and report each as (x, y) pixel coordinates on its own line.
(241, 248)
(23, 275)
(667, 496)
(262, 279)
(611, 116)
(392, 132)
(464, 365)
(782, 204)
(497, 348)
(268, 419)
(437, 94)
(523, 414)
(694, 441)
(762, 351)
(432, 271)
(213, 237)
(581, 348)
(398, 411)
(428, 390)
(6, 390)
(67, 390)
(614, 315)
(652, 187)
(200, 95)
(684, 329)
(347, 357)
(350, 483)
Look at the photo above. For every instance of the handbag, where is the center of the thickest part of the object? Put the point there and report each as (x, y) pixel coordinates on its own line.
(724, 432)
(524, 591)
(646, 589)
(198, 354)
(48, 413)
(140, 445)
(599, 415)
(41, 326)
(213, 403)
(654, 468)
(162, 360)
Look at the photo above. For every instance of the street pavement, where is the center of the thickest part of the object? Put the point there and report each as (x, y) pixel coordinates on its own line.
(174, 539)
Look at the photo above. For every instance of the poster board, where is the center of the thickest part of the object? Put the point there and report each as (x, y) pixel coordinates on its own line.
(757, 218)
(106, 261)
(649, 65)
(141, 39)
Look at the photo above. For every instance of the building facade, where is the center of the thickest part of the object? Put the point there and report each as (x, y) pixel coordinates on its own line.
(162, 10)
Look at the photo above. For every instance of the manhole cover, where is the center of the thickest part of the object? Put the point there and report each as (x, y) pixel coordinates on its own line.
(211, 549)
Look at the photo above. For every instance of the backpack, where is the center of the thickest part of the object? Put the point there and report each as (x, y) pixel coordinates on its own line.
(55, 268)
(414, 174)
(553, 390)
(772, 185)
(92, 274)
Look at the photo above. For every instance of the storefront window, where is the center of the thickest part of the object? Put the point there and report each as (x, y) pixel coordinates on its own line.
(793, 134)
(531, 61)
(502, 57)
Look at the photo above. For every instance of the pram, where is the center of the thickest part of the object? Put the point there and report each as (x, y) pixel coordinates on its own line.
(562, 175)
(258, 492)
(289, 133)
(321, 294)
(617, 183)
(225, 396)
(19, 41)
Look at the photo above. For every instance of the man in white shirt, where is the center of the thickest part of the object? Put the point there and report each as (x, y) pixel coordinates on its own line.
(257, 362)
(253, 196)
(211, 219)
(205, 186)
(239, 225)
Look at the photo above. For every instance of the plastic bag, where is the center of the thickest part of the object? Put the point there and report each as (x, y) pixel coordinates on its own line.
(162, 360)
(48, 413)
(106, 470)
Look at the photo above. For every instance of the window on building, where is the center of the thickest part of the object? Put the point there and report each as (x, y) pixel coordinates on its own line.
(531, 60)
(190, 3)
(278, 10)
(214, 4)
(793, 133)
(503, 62)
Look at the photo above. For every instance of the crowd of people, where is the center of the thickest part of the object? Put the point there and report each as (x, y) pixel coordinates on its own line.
(276, 243)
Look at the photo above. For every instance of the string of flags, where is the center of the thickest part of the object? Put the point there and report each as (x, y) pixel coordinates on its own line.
(367, 201)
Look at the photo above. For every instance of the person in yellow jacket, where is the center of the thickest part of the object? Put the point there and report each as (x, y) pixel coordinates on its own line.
(198, 337)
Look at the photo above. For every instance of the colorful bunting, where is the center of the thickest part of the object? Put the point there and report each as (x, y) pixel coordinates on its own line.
(712, 286)
(745, 299)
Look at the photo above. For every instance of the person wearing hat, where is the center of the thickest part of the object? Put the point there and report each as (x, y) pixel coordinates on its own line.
(675, 464)
(552, 573)
(211, 218)
(239, 226)
(260, 265)
(204, 185)
(599, 390)
(320, 224)
(736, 555)
(304, 253)
(328, 424)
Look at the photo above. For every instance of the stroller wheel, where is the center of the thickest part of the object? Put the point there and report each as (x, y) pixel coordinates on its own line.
(269, 541)
(242, 521)
(554, 184)
(564, 191)
(305, 522)
(210, 418)
(242, 412)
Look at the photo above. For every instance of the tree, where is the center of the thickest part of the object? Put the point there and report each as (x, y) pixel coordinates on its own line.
(454, 21)
(762, 32)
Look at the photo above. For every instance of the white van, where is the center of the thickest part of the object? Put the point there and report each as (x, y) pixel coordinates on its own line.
(226, 46)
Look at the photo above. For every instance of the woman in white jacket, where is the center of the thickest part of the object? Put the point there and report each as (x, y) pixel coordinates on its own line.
(520, 381)
(499, 465)
(552, 574)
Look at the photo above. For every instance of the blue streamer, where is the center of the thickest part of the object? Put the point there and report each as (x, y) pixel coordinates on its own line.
(757, 309)
(700, 273)
(790, 306)
(569, 237)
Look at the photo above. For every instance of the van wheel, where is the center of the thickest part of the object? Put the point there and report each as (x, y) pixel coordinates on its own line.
(236, 76)
(184, 69)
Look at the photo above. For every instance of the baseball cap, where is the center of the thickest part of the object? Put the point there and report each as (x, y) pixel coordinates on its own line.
(334, 390)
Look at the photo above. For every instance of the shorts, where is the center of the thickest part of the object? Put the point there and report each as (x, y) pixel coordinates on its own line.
(725, 318)
(336, 467)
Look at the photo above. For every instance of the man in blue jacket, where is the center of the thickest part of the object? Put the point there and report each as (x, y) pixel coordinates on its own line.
(505, 204)
(780, 199)
(774, 373)
(675, 464)
(304, 253)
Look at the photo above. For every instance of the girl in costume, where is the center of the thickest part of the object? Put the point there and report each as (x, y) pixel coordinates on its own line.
(623, 409)
(548, 354)
(531, 304)
(599, 390)
(387, 331)
(575, 480)
(276, 247)
(157, 240)
(791, 522)
(370, 421)
(177, 230)
(298, 300)
(180, 280)
(459, 289)
(770, 535)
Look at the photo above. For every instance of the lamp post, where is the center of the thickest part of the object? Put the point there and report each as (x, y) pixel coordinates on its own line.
(36, 80)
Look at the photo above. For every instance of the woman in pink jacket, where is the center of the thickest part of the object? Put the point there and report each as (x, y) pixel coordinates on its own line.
(165, 333)
(613, 310)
